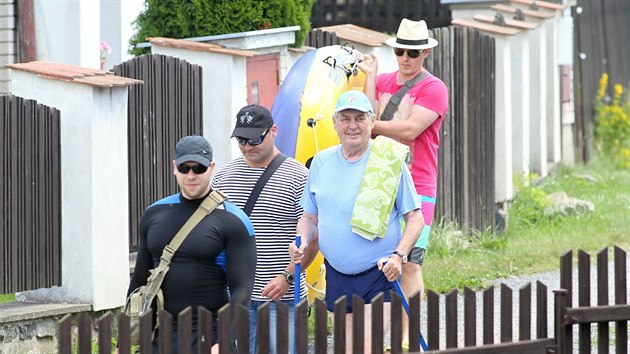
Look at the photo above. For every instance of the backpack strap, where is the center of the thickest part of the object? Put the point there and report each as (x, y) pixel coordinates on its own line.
(253, 197)
(394, 101)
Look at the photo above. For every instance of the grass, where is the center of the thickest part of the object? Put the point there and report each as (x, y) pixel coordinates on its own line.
(7, 297)
(534, 242)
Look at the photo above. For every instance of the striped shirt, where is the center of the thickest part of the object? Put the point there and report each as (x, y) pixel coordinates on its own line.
(274, 216)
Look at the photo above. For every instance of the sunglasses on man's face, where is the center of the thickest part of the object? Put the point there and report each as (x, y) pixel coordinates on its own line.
(252, 142)
(411, 53)
(197, 169)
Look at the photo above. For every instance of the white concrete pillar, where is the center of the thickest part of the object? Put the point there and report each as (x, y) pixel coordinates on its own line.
(521, 106)
(554, 147)
(538, 100)
(94, 186)
(504, 189)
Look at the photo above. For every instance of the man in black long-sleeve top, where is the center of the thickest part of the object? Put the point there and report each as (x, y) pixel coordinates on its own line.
(219, 253)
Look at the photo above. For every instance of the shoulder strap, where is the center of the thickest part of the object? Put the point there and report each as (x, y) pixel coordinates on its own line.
(394, 101)
(273, 166)
(210, 203)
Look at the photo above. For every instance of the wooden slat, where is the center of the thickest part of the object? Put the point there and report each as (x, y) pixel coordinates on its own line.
(414, 323)
(525, 313)
(470, 317)
(433, 320)
(541, 310)
(358, 324)
(396, 324)
(205, 330)
(621, 291)
(584, 298)
(451, 319)
(602, 297)
(184, 330)
(321, 324)
(339, 325)
(506, 313)
(377, 323)
(488, 316)
(301, 327)
(282, 327)
(105, 334)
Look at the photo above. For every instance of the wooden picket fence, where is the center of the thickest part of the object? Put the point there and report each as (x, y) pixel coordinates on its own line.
(566, 319)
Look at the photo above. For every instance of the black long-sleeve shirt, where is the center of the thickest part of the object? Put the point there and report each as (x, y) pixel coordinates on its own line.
(219, 253)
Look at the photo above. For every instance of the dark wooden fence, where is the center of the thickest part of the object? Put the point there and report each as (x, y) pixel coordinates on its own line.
(601, 46)
(30, 197)
(442, 321)
(167, 107)
(465, 61)
(317, 38)
(379, 15)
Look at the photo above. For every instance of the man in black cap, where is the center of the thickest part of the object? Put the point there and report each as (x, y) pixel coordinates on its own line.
(274, 214)
(218, 253)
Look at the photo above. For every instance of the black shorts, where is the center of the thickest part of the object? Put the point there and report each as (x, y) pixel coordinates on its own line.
(417, 255)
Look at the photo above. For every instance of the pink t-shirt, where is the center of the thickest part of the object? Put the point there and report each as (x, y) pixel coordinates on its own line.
(430, 93)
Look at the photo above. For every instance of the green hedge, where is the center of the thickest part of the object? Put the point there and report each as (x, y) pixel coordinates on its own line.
(197, 18)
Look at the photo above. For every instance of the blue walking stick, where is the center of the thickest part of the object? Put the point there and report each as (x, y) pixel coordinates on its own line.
(400, 292)
(296, 293)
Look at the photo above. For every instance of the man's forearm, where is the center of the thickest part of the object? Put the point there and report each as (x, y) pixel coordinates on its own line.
(413, 226)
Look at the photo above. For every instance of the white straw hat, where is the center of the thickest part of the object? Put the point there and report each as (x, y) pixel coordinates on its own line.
(412, 35)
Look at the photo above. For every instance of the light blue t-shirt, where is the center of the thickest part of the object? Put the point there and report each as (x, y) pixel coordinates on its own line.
(330, 193)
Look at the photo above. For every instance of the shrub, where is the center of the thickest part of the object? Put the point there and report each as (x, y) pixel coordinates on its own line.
(198, 18)
(612, 125)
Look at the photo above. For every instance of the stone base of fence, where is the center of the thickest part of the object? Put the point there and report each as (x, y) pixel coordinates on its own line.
(31, 327)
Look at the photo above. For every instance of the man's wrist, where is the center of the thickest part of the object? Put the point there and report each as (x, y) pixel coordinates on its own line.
(288, 277)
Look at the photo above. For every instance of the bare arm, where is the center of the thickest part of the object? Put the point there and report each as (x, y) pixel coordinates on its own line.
(369, 65)
(307, 228)
(392, 267)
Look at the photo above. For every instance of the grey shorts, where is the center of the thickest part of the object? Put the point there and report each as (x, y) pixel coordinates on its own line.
(417, 255)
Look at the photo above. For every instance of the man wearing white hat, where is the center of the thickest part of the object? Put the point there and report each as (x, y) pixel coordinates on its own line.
(415, 120)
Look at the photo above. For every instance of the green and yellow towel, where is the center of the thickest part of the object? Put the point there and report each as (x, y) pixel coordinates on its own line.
(379, 187)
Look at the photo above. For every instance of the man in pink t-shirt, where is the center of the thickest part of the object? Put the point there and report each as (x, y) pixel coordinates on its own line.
(416, 122)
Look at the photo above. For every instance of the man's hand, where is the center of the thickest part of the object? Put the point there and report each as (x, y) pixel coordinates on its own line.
(297, 254)
(276, 288)
(391, 267)
(369, 64)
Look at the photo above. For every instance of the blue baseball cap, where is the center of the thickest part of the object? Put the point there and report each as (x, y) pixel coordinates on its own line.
(353, 100)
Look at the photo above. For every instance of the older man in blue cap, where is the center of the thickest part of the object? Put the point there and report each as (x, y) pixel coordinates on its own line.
(362, 257)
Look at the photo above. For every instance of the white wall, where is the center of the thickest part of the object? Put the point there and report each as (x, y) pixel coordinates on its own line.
(94, 189)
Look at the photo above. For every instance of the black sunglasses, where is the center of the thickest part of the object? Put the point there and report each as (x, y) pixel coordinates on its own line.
(411, 53)
(252, 142)
(197, 169)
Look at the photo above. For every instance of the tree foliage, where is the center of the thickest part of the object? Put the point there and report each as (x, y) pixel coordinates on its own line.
(197, 18)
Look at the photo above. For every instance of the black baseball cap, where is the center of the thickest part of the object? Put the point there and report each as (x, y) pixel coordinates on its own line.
(252, 121)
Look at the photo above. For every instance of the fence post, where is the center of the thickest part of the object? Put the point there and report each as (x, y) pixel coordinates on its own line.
(560, 305)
